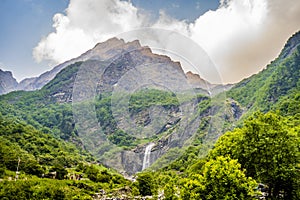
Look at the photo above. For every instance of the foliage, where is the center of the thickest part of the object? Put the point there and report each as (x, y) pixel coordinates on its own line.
(145, 184)
(36, 129)
(139, 101)
(221, 178)
(268, 148)
(34, 148)
(63, 79)
(146, 98)
(41, 189)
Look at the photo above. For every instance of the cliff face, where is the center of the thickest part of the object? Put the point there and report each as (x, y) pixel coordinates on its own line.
(106, 65)
(196, 81)
(7, 82)
(106, 51)
(102, 51)
(122, 76)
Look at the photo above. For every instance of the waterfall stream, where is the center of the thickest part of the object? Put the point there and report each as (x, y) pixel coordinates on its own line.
(147, 155)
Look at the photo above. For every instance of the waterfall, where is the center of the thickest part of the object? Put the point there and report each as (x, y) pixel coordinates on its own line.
(146, 161)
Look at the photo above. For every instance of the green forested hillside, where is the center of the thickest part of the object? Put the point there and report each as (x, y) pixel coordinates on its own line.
(35, 149)
(34, 158)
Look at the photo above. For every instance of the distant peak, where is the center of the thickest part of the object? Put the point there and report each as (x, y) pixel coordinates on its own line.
(110, 42)
(116, 43)
(135, 43)
(6, 72)
(7, 82)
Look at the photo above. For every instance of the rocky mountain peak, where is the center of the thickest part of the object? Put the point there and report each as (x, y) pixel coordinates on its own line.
(7, 82)
(101, 51)
(110, 48)
(110, 42)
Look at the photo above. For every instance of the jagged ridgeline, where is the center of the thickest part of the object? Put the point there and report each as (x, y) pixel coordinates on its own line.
(115, 100)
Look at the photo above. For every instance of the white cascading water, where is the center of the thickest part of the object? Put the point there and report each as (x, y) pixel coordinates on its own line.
(146, 161)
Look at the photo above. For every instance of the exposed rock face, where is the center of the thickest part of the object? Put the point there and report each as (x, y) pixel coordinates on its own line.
(196, 81)
(116, 67)
(105, 65)
(236, 111)
(203, 86)
(102, 51)
(108, 50)
(128, 68)
(7, 82)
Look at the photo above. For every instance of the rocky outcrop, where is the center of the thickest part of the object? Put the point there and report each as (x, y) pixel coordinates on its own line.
(102, 51)
(196, 81)
(236, 110)
(7, 82)
(204, 87)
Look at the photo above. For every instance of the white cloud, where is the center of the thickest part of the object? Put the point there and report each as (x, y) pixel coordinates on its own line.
(86, 22)
(241, 36)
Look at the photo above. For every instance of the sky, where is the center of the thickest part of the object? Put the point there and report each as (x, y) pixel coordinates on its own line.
(240, 36)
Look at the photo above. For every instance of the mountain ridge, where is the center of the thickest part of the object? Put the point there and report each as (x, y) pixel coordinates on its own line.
(7, 82)
(101, 51)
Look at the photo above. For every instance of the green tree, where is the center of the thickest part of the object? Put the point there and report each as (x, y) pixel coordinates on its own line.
(221, 178)
(61, 172)
(268, 148)
(145, 184)
(92, 173)
(32, 167)
(170, 192)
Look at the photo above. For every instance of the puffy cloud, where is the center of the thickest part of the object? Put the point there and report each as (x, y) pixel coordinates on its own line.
(241, 36)
(86, 22)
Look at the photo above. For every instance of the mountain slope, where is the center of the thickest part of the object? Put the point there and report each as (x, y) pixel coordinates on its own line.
(277, 87)
(281, 78)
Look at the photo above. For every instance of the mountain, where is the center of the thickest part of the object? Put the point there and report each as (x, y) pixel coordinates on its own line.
(150, 82)
(156, 98)
(135, 111)
(102, 51)
(7, 82)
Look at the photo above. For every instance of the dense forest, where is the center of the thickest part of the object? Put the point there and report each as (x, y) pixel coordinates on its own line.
(256, 157)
